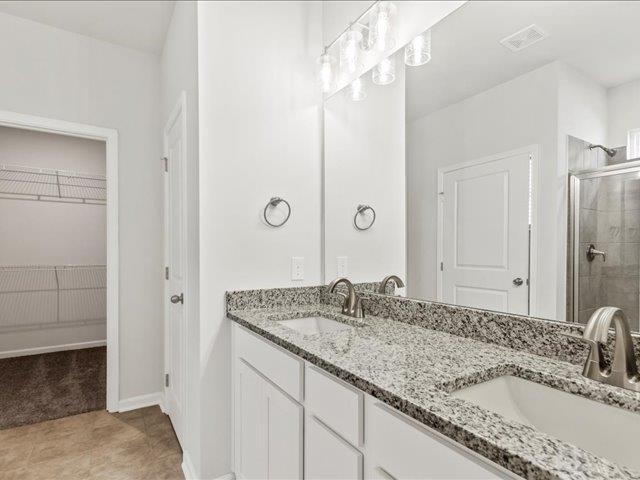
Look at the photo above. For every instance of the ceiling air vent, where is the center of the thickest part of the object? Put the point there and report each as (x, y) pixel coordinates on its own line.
(524, 38)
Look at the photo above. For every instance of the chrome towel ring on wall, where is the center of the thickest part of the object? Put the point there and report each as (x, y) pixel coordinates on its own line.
(360, 211)
(274, 203)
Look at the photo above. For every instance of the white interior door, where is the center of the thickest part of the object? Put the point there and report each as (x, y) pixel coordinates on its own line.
(485, 234)
(175, 242)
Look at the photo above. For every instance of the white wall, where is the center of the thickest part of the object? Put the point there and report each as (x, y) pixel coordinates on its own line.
(582, 113)
(179, 72)
(582, 106)
(364, 163)
(57, 74)
(623, 113)
(515, 114)
(51, 233)
(260, 136)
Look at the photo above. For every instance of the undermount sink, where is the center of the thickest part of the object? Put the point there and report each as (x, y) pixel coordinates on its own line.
(314, 325)
(603, 430)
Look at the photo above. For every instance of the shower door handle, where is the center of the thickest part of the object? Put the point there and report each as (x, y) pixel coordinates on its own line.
(518, 281)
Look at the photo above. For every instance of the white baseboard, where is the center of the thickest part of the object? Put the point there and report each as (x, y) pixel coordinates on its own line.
(187, 467)
(54, 348)
(140, 401)
(190, 472)
(227, 476)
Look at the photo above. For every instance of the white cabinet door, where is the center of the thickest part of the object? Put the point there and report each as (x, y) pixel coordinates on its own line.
(398, 448)
(284, 432)
(268, 428)
(250, 424)
(328, 456)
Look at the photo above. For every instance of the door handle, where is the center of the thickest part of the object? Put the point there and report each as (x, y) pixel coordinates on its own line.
(177, 298)
(518, 281)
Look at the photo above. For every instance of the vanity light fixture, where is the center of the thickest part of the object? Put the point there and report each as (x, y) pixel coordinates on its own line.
(381, 28)
(373, 30)
(385, 72)
(326, 75)
(356, 90)
(418, 51)
(350, 51)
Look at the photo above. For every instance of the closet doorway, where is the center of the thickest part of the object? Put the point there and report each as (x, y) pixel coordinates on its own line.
(58, 269)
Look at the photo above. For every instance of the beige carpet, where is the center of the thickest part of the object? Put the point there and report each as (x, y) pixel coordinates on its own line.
(52, 385)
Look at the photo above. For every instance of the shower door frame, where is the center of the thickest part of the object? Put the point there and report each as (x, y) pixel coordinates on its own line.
(574, 252)
(110, 137)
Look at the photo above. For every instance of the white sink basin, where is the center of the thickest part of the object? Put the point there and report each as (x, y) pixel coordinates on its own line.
(314, 325)
(601, 429)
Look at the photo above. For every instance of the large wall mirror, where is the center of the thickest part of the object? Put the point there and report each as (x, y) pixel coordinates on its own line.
(504, 173)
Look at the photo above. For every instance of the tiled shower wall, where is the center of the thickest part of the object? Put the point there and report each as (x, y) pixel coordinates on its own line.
(610, 220)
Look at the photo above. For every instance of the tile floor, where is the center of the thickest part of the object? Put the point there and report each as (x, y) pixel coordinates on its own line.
(136, 445)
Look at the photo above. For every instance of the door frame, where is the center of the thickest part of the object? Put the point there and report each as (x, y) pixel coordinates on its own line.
(179, 112)
(110, 137)
(533, 152)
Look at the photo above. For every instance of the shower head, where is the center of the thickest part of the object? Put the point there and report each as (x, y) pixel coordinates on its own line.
(609, 151)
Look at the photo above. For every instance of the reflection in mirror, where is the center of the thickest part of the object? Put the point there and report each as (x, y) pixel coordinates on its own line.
(505, 171)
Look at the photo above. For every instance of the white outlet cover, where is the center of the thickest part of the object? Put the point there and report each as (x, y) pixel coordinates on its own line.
(297, 268)
(343, 266)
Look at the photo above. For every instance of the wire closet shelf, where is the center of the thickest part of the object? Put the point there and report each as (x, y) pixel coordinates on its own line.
(46, 296)
(27, 183)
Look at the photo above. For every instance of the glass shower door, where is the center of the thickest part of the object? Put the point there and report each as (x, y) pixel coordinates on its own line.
(606, 242)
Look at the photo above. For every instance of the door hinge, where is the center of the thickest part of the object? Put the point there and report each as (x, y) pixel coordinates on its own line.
(441, 266)
(166, 273)
(166, 163)
(166, 379)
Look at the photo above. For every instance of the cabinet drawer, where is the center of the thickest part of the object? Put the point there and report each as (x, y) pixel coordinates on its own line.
(282, 368)
(336, 404)
(402, 449)
(327, 456)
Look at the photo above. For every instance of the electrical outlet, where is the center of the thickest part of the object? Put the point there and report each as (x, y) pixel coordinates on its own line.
(297, 268)
(343, 266)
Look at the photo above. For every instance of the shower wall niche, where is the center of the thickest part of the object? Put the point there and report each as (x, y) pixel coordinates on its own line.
(606, 214)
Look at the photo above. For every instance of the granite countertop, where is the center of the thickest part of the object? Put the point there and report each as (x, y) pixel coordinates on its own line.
(413, 369)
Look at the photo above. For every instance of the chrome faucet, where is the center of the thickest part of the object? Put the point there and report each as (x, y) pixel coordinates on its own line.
(390, 278)
(351, 305)
(623, 370)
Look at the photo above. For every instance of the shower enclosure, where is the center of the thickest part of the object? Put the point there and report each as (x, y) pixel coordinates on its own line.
(604, 241)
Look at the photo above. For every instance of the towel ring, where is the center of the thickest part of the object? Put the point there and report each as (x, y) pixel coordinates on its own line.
(360, 210)
(274, 203)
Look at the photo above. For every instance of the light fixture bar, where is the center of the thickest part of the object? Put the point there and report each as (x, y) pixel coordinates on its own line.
(351, 24)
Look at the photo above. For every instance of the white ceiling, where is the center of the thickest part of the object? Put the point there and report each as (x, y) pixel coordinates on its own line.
(599, 38)
(141, 25)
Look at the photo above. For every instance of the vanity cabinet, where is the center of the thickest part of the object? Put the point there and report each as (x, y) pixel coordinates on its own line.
(268, 428)
(285, 409)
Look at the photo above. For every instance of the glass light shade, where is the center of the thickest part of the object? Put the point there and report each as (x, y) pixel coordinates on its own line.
(418, 51)
(350, 51)
(356, 90)
(385, 72)
(326, 74)
(381, 28)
